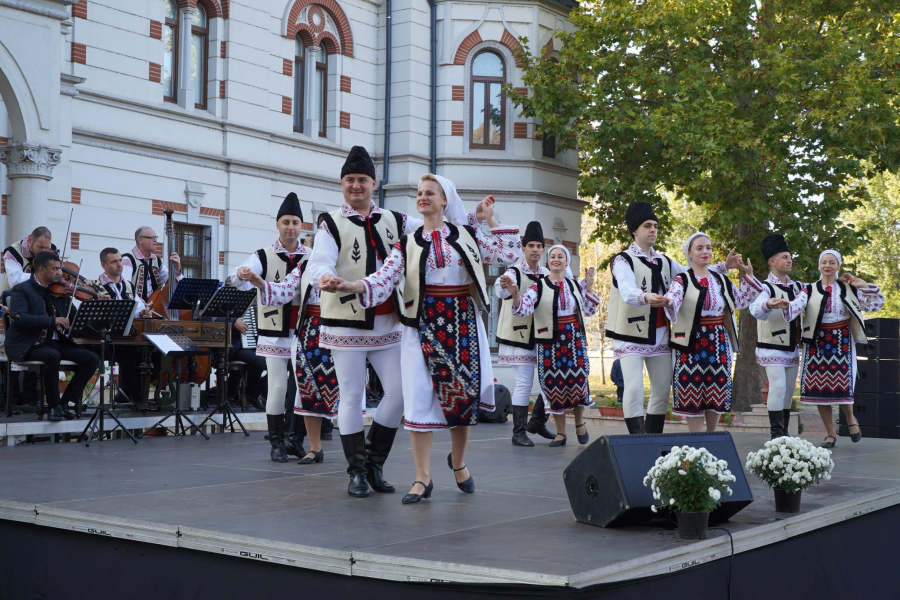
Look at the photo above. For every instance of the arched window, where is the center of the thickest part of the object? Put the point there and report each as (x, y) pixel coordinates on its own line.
(322, 89)
(199, 50)
(299, 88)
(170, 59)
(488, 102)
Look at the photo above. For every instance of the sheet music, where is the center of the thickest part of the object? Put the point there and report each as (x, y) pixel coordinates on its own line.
(163, 342)
(248, 340)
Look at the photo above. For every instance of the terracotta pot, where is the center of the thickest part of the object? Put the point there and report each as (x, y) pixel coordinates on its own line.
(611, 411)
(786, 502)
(692, 526)
(765, 396)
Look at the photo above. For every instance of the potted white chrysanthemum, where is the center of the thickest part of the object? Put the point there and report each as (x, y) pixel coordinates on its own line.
(789, 465)
(690, 481)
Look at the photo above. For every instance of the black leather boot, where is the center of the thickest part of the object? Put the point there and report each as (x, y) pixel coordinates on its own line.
(64, 410)
(776, 424)
(276, 437)
(538, 422)
(293, 441)
(378, 446)
(654, 423)
(520, 415)
(355, 452)
(786, 417)
(635, 424)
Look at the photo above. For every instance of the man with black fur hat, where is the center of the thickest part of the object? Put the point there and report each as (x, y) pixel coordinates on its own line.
(515, 336)
(637, 323)
(350, 244)
(275, 324)
(777, 339)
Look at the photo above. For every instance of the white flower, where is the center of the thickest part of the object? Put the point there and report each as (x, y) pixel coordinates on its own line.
(682, 472)
(653, 508)
(671, 500)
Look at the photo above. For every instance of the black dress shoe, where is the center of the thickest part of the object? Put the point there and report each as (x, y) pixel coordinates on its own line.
(557, 443)
(855, 437)
(258, 403)
(827, 444)
(411, 498)
(468, 486)
(54, 414)
(316, 457)
(583, 438)
(66, 413)
(358, 488)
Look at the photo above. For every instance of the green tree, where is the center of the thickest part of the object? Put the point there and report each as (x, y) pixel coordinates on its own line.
(878, 220)
(762, 114)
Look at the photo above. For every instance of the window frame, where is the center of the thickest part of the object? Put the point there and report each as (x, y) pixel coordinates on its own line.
(173, 23)
(323, 66)
(203, 261)
(203, 32)
(473, 79)
(299, 85)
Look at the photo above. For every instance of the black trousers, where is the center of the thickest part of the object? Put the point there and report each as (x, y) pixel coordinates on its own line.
(51, 354)
(255, 367)
(129, 360)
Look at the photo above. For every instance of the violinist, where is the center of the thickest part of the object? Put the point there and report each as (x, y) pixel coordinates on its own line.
(17, 258)
(146, 271)
(39, 324)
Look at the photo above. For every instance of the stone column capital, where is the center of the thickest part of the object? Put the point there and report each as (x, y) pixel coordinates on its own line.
(29, 160)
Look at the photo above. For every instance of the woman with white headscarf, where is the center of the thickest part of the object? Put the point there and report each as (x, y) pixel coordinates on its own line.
(702, 304)
(832, 326)
(446, 372)
(559, 306)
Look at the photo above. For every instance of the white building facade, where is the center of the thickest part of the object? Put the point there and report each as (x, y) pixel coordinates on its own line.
(115, 110)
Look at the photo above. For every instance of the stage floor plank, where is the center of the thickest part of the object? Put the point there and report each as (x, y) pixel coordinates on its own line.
(519, 518)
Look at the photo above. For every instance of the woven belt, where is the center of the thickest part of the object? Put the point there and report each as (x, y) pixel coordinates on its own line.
(447, 291)
(386, 307)
(312, 310)
(838, 325)
(295, 312)
(565, 320)
(712, 320)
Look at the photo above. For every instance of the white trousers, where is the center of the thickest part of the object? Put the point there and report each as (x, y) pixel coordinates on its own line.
(350, 366)
(524, 382)
(277, 376)
(782, 382)
(659, 368)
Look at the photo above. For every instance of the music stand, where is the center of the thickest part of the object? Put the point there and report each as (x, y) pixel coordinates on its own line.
(107, 318)
(175, 345)
(227, 302)
(191, 294)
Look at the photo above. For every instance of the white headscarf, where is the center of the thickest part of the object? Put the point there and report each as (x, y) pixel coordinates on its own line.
(836, 254)
(454, 211)
(568, 259)
(686, 247)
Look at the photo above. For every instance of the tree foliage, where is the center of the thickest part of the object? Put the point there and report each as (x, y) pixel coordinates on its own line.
(756, 112)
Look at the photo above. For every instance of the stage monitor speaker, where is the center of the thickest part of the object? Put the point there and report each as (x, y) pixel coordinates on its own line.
(502, 406)
(879, 349)
(876, 410)
(605, 482)
(874, 376)
(883, 328)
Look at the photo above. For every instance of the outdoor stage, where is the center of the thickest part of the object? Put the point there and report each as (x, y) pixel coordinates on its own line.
(190, 518)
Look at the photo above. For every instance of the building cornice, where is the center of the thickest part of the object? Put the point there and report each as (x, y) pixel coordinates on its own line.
(40, 8)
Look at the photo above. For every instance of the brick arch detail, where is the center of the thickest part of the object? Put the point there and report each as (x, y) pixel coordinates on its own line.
(213, 10)
(472, 40)
(334, 10)
(305, 36)
(327, 39)
(322, 38)
(512, 43)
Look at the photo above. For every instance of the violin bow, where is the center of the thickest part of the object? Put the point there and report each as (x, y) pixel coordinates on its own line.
(72, 301)
(66, 242)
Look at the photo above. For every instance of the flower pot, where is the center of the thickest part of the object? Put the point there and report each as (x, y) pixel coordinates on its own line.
(610, 411)
(692, 526)
(765, 396)
(786, 502)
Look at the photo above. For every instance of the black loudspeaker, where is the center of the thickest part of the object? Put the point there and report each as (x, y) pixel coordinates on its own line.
(605, 483)
(876, 410)
(502, 406)
(879, 348)
(875, 376)
(883, 328)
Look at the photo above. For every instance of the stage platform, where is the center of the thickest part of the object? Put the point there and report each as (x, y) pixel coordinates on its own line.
(173, 513)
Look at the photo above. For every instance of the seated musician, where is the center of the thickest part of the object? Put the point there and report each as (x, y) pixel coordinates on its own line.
(255, 364)
(17, 259)
(38, 331)
(146, 271)
(118, 288)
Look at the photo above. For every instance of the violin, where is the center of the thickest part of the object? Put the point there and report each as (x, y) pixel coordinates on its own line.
(74, 285)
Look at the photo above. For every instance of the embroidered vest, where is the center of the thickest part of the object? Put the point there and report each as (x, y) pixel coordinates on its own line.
(513, 330)
(142, 273)
(359, 243)
(812, 319)
(275, 321)
(692, 307)
(637, 324)
(415, 257)
(775, 333)
(16, 251)
(546, 309)
(127, 289)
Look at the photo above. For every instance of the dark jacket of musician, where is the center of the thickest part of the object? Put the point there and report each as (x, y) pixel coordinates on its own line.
(32, 303)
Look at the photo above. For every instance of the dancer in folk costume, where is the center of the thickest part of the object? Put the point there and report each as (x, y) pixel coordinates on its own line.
(351, 244)
(777, 339)
(559, 305)
(275, 326)
(701, 304)
(446, 370)
(832, 326)
(637, 322)
(515, 336)
(317, 384)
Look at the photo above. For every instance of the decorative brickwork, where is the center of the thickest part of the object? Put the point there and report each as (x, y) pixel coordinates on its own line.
(457, 127)
(79, 53)
(345, 120)
(155, 72)
(345, 84)
(156, 30)
(80, 9)
(76, 196)
(458, 93)
(470, 42)
(345, 43)
(520, 130)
